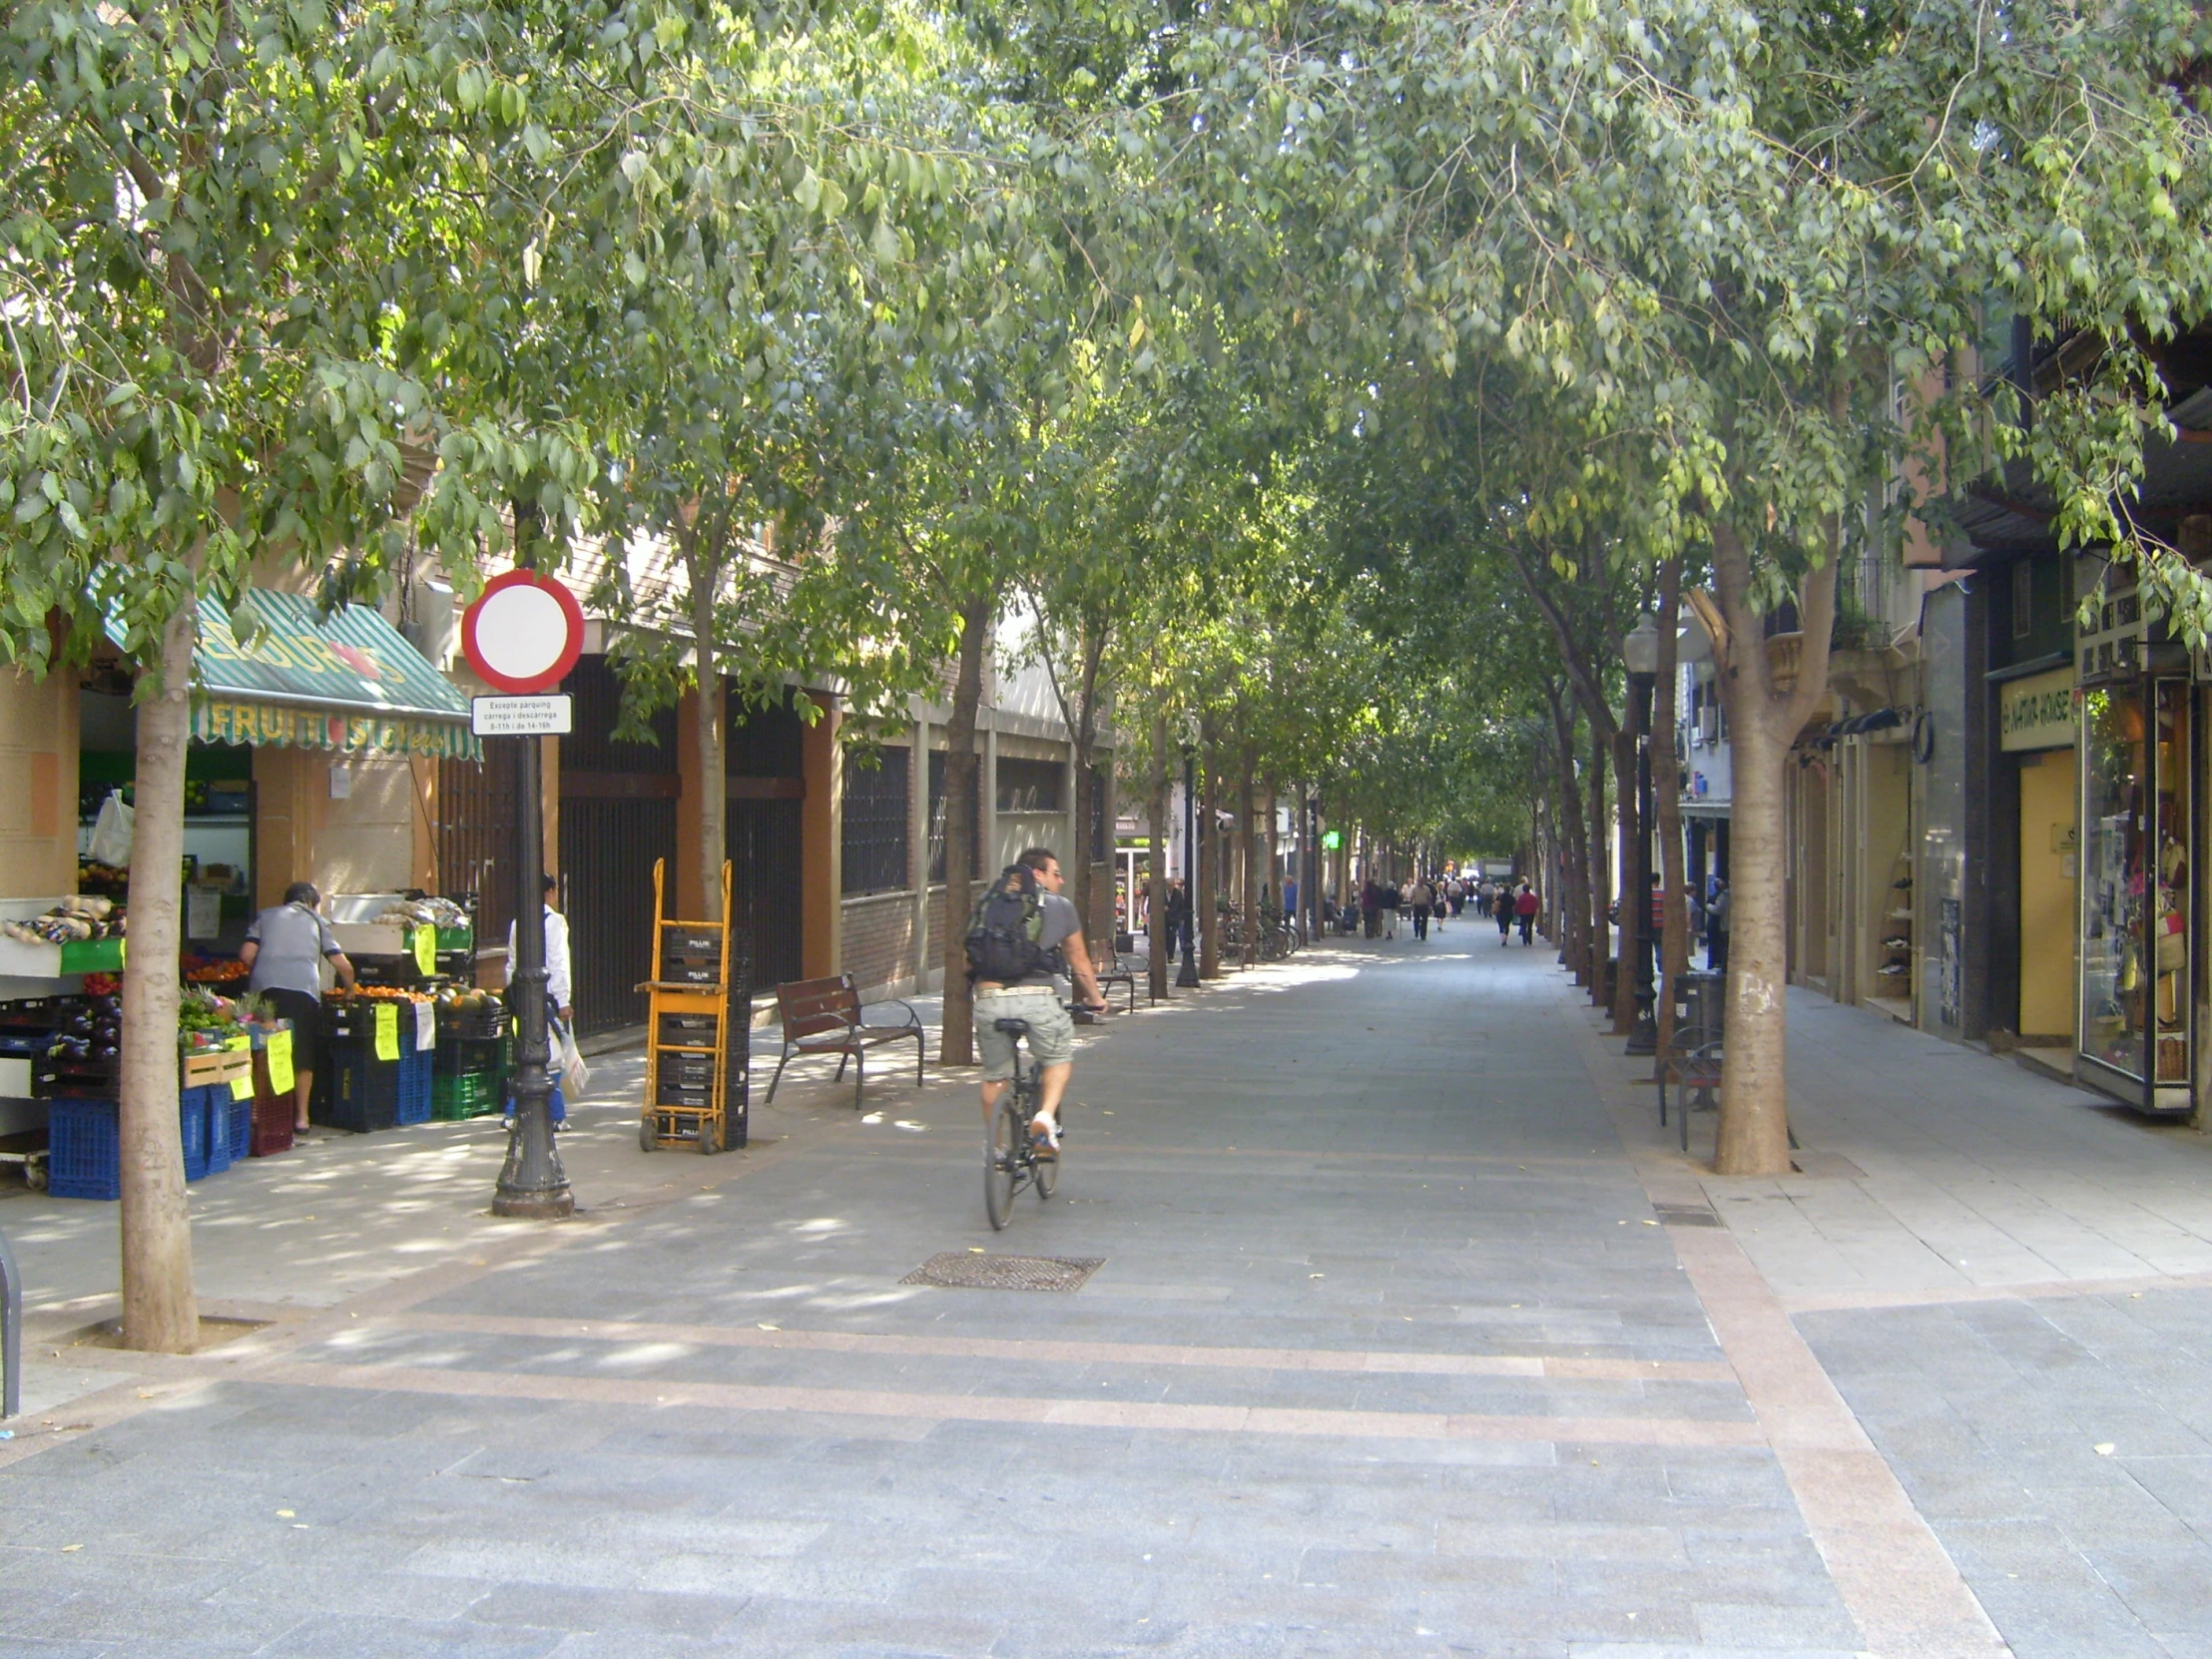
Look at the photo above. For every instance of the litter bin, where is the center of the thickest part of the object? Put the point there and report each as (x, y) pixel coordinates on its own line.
(1698, 1008)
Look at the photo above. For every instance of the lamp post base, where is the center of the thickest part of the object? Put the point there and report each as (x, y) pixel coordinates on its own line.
(1186, 976)
(547, 1206)
(1644, 1037)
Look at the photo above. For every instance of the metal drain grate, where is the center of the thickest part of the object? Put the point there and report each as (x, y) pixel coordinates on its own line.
(1685, 1215)
(961, 1270)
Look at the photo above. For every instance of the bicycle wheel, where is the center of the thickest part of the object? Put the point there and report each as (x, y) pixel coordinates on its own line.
(1007, 1131)
(1046, 1172)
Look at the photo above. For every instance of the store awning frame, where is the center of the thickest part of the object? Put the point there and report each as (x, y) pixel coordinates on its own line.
(347, 682)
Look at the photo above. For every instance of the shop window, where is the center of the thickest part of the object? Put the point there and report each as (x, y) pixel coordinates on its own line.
(1030, 786)
(937, 816)
(2134, 872)
(877, 803)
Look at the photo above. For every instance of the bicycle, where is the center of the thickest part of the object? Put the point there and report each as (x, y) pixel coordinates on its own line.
(1014, 1162)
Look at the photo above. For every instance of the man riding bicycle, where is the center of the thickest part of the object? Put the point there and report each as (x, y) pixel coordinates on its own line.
(1034, 997)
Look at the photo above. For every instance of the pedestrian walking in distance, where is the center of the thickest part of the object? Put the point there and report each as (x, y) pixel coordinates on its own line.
(1501, 907)
(1525, 907)
(1420, 896)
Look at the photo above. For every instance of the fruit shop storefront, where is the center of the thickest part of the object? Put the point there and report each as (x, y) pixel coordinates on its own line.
(315, 740)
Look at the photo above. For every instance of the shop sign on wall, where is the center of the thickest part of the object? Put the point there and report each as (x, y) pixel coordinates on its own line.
(2038, 711)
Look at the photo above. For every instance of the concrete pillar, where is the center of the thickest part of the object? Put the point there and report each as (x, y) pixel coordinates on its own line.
(821, 834)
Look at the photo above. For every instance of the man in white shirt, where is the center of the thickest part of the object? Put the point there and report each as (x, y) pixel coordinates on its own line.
(560, 983)
(560, 990)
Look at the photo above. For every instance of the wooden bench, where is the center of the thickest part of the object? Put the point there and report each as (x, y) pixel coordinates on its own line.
(825, 1016)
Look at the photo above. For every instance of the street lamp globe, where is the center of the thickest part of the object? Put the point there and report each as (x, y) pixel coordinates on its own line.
(1640, 650)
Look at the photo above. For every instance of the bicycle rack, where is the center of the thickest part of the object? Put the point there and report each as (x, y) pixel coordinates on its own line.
(11, 1332)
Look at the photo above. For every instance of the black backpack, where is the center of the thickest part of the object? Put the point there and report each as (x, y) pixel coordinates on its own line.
(1005, 934)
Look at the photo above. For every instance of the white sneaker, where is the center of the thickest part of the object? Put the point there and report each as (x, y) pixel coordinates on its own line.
(1042, 1128)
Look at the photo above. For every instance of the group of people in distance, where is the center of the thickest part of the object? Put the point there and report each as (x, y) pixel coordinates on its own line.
(1428, 899)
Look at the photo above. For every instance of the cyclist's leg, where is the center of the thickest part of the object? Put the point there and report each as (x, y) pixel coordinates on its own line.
(996, 1050)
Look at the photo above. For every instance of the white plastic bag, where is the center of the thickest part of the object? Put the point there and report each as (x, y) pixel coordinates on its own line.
(111, 833)
(575, 1075)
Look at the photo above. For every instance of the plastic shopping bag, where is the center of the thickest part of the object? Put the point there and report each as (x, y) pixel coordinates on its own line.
(110, 843)
(575, 1075)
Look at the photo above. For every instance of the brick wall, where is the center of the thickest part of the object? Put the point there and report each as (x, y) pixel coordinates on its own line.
(879, 942)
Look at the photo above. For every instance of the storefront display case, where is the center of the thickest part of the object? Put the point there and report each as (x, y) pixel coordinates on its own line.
(2137, 820)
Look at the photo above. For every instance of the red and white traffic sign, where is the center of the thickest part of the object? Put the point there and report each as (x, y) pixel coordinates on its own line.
(524, 632)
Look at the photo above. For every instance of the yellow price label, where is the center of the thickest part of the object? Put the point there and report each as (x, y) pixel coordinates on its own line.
(426, 950)
(387, 1031)
(278, 1049)
(242, 1086)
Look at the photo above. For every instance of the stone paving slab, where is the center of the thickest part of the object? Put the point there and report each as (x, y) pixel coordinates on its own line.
(1388, 1195)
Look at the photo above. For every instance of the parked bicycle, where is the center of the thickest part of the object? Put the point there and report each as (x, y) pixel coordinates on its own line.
(1014, 1160)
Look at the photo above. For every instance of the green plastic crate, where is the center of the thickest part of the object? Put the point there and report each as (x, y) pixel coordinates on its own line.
(458, 1095)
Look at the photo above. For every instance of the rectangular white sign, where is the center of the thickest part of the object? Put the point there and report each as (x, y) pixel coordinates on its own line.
(520, 717)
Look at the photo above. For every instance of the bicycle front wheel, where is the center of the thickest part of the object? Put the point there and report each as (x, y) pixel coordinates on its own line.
(998, 1171)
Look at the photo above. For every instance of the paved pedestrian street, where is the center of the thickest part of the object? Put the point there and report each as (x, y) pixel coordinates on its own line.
(1411, 1333)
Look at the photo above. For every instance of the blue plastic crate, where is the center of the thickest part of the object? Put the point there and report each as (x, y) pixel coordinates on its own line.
(239, 1115)
(215, 1102)
(415, 1069)
(192, 1116)
(83, 1157)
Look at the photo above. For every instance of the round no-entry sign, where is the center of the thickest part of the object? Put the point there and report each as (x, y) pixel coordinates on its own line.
(524, 633)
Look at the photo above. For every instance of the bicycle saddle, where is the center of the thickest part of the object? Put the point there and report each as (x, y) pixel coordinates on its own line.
(1012, 1027)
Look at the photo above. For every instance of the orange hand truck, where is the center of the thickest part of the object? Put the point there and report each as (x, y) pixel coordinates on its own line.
(691, 1065)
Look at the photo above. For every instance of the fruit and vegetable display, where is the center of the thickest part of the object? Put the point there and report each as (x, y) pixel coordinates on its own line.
(208, 1021)
(108, 881)
(214, 970)
(423, 912)
(88, 1028)
(462, 999)
(86, 917)
(376, 993)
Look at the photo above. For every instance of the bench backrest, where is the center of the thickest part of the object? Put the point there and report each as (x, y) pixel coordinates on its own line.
(811, 1006)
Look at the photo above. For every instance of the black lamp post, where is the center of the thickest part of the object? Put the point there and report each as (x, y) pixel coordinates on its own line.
(532, 1182)
(1640, 655)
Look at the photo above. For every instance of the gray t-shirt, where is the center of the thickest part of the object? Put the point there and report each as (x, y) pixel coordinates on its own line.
(1060, 925)
(293, 941)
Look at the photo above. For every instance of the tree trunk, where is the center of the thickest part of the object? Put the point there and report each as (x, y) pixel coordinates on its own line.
(1247, 850)
(1600, 882)
(956, 1044)
(1635, 886)
(1156, 814)
(1764, 718)
(1574, 841)
(702, 571)
(1082, 734)
(160, 1312)
(1666, 775)
(1206, 905)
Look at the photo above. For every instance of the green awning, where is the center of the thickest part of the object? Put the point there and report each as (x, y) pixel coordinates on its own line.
(347, 682)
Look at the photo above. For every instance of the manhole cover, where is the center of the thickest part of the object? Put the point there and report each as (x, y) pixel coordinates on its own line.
(1685, 1215)
(961, 1270)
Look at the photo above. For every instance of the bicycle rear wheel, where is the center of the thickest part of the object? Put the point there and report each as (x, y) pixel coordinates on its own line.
(1007, 1131)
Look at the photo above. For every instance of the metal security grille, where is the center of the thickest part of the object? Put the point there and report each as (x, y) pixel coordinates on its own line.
(1029, 786)
(878, 803)
(618, 813)
(937, 816)
(607, 853)
(764, 843)
(475, 812)
(961, 1270)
